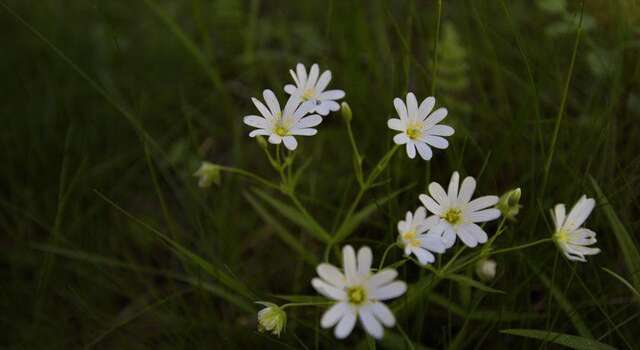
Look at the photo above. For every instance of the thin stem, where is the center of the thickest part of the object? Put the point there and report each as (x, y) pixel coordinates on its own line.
(384, 256)
(523, 246)
(307, 304)
(435, 50)
(356, 155)
(250, 175)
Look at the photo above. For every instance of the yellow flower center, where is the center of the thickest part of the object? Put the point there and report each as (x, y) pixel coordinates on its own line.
(561, 236)
(357, 295)
(410, 239)
(308, 94)
(453, 216)
(414, 130)
(281, 130)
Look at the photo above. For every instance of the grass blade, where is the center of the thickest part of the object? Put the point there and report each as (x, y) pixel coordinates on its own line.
(624, 281)
(570, 341)
(470, 282)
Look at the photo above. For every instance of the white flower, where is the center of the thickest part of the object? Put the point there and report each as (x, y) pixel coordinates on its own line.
(282, 126)
(312, 88)
(419, 127)
(411, 235)
(486, 269)
(271, 319)
(456, 213)
(569, 236)
(358, 292)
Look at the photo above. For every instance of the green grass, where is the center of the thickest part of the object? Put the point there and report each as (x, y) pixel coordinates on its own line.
(109, 106)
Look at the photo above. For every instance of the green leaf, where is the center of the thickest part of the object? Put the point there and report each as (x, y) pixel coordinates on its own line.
(295, 216)
(630, 252)
(468, 281)
(570, 341)
(484, 315)
(347, 227)
(624, 281)
(281, 231)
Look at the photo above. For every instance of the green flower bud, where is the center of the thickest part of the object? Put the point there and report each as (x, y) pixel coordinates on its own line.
(346, 112)
(208, 173)
(486, 269)
(261, 142)
(509, 204)
(271, 319)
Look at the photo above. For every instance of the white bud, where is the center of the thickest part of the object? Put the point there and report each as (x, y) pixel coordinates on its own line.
(486, 269)
(271, 319)
(208, 173)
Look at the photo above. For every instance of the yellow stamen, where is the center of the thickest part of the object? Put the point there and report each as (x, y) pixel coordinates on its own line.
(410, 239)
(414, 130)
(357, 295)
(561, 236)
(308, 94)
(453, 216)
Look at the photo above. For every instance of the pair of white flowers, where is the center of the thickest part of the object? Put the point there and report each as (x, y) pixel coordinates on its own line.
(309, 100)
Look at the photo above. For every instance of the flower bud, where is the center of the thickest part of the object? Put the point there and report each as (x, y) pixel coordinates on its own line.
(261, 142)
(486, 269)
(509, 204)
(346, 112)
(208, 173)
(271, 319)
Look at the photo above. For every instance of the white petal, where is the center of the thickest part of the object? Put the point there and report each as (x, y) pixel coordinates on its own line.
(388, 291)
(381, 278)
(435, 117)
(585, 250)
(411, 150)
(579, 213)
(257, 132)
(345, 326)
(331, 274)
(323, 81)
(262, 108)
(466, 236)
(438, 194)
(452, 191)
(303, 132)
(302, 74)
(370, 323)
(441, 130)
(433, 242)
(424, 151)
(328, 290)
(382, 313)
(412, 106)
(272, 101)
(403, 226)
(292, 105)
(484, 215)
(466, 190)
(420, 215)
(290, 89)
(365, 257)
(430, 204)
(295, 77)
(334, 314)
(426, 107)
(396, 124)
(331, 105)
(290, 142)
(477, 232)
(436, 141)
(582, 236)
(309, 121)
(275, 139)
(431, 221)
(400, 108)
(313, 75)
(400, 139)
(423, 256)
(449, 236)
(256, 122)
(559, 216)
(349, 264)
(482, 203)
(331, 95)
(302, 109)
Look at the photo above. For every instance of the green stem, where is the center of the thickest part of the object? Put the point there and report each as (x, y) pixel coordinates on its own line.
(523, 246)
(307, 304)
(356, 154)
(384, 256)
(250, 175)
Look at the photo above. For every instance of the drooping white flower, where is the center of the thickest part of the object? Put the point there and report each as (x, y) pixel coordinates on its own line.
(283, 125)
(208, 173)
(412, 236)
(358, 293)
(570, 237)
(419, 127)
(486, 269)
(271, 319)
(312, 87)
(455, 212)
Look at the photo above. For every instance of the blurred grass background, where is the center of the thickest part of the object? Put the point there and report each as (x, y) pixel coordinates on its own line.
(120, 100)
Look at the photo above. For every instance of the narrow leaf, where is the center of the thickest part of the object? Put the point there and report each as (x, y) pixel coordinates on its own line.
(570, 341)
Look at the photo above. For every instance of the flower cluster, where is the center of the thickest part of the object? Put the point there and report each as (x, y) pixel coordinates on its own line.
(356, 290)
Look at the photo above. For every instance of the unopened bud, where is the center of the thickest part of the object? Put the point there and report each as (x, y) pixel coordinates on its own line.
(208, 173)
(261, 142)
(486, 269)
(346, 111)
(509, 204)
(271, 319)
